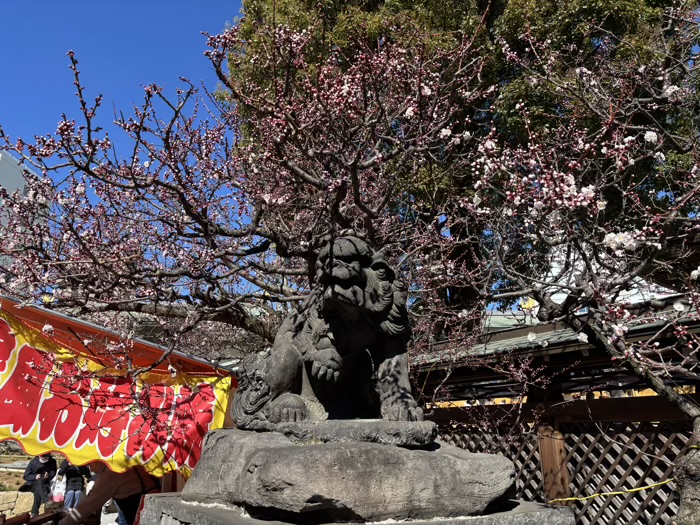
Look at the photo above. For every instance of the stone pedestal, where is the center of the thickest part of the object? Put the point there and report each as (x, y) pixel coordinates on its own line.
(272, 477)
(169, 509)
(345, 471)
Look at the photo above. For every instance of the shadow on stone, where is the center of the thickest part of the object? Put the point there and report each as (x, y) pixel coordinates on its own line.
(502, 505)
(321, 510)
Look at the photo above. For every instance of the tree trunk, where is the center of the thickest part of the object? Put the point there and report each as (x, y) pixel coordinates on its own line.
(687, 475)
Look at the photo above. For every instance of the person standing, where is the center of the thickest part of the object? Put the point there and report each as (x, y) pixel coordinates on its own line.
(39, 473)
(126, 488)
(75, 482)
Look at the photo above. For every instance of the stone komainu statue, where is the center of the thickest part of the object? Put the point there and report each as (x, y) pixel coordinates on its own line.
(342, 354)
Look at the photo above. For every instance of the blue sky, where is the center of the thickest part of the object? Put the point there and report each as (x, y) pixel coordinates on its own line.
(120, 46)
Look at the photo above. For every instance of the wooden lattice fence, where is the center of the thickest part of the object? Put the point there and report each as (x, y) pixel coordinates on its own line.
(597, 458)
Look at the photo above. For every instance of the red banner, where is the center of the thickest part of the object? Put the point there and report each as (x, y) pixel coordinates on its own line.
(54, 399)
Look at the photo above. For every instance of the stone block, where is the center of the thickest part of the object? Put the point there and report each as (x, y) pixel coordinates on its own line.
(274, 478)
(7, 502)
(13, 502)
(24, 503)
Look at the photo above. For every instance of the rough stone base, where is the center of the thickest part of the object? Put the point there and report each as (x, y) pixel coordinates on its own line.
(277, 479)
(169, 509)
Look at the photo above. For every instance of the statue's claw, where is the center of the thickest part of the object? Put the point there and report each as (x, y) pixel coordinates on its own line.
(327, 364)
(402, 412)
(415, 414)
(288, 408)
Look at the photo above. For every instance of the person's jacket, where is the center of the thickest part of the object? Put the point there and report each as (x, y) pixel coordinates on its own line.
(37, 467)
(74, 475)
(116, 485)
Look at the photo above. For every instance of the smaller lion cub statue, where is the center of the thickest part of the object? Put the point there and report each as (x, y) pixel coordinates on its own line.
(342, 354)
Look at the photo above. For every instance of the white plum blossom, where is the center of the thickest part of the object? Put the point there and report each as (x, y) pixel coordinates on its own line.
(651, 137)
(669, 90)
(445, 133)
(625, 240)
(695, 274)
(426, 91)
(678, 306)
(583, 338)
(410, 112)
(588, 192)
(660, 156)
(489, 145)
(619, 330)
(601, 205)
(532, 337)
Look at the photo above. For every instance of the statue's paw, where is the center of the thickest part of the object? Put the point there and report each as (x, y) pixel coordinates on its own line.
(288, 408)
(327, 365)
(403, 412)
(415, 414)
(325, 372)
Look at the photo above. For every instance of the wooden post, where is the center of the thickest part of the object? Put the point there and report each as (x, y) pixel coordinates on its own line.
(172, 482)
(555, 475)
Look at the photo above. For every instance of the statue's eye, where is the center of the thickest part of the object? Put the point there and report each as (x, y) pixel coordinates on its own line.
(381, 273)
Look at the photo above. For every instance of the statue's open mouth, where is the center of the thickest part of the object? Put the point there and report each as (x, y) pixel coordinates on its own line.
(344, 292)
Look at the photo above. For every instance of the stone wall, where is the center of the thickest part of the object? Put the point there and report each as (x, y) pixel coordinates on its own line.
(11, 447)
(13, 502)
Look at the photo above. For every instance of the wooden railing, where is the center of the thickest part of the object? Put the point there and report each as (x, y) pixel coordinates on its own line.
(26, 519)
(47, 517)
